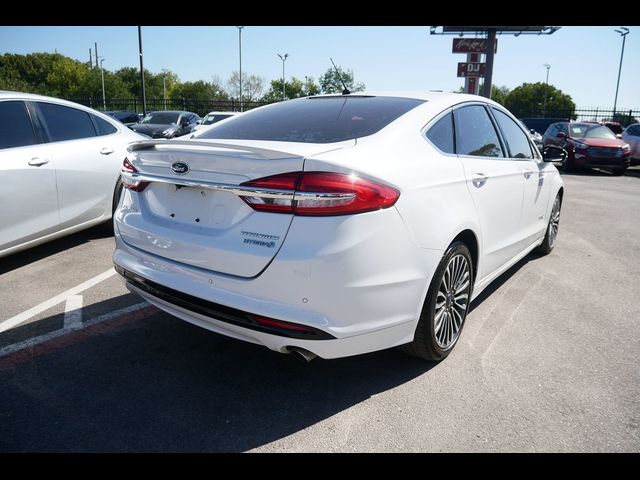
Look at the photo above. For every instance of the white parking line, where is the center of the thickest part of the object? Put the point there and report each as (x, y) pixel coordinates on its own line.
(24, 316)
(32, 342)
(73, 312)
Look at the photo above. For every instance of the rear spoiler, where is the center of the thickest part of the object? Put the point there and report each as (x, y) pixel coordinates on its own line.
(263, 152)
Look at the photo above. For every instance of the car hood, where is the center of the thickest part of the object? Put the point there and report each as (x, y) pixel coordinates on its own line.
(149, 128)
(601, 142)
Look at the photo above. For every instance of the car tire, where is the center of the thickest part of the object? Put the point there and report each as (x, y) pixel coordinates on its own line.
(444, 311)
(619, 171)
(117, 193)
(552, 228)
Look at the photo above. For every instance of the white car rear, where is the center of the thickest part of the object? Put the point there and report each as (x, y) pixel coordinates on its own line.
(329, 225)
(59, 165)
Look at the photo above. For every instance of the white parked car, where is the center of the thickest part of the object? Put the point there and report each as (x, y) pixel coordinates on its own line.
(631, 135)
(337, 225)
(59, 168)
(213, 117)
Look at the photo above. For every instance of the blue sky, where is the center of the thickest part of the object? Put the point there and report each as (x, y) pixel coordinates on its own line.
(584, 60)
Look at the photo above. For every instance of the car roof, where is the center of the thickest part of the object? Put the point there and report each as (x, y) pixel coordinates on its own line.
(173, 111)
(223, 113)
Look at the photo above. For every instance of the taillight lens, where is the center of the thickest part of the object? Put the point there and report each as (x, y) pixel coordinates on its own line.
(322, 194)
(129, 183)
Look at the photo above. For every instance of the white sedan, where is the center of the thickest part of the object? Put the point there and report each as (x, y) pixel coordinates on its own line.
(59, 168)
(337, 225)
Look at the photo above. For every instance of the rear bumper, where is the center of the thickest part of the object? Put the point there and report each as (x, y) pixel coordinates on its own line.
(360, 280)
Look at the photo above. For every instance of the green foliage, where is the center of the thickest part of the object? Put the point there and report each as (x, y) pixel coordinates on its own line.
(294, 88)
(527, 100)
(199, 90)
(499, 94)
(330, 81)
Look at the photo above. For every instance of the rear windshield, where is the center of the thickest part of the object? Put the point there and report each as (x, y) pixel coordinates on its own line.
(315, 119)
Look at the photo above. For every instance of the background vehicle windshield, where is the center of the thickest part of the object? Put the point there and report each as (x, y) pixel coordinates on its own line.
(209, 119)
(163, 118)
(584, 130)
(316, 119)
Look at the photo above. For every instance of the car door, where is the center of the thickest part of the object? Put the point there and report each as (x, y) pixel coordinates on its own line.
(84, 167)
(536, 185)
(494, 183)
(28, 198)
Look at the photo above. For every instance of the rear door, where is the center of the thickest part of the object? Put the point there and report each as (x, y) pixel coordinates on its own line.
(85, 166)
(28, 198)
(189, 212)
(495, 184)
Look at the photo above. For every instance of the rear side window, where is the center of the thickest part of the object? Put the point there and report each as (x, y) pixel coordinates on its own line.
(66, 123)
(103, 127)
(441, 134)
(315, 119)
(475, 133)
(16, 129)
(516, 139)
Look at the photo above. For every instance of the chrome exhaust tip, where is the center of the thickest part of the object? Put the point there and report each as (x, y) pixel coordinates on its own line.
(302, 354)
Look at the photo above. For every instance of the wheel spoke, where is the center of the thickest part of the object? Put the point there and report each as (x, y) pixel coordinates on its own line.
(452, 299)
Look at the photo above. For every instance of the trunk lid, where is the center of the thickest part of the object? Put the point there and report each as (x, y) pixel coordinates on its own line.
(195, 214)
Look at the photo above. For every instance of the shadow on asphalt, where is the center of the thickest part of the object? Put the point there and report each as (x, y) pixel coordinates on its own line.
(159, 384)
(25, 257)
(597, 172)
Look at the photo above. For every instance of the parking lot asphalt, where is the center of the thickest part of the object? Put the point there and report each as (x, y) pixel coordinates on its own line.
(547, 361)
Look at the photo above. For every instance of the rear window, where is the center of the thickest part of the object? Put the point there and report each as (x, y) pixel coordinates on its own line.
(315, 119)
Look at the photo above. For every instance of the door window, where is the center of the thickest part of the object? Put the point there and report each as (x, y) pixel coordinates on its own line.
(516, 140)
(475, 134)
(16, 129)
(66, 123)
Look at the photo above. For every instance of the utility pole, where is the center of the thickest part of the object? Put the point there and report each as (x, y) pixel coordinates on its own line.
(286, 55)
(623, 32)
(544, 107)
(240, 56)
(90, 59)
(164, 90)
(144, 98)
(96, 52)
(104, 100)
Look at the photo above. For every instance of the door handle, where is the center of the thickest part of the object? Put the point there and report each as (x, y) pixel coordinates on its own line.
(527, 174)
(106, 151)
(479, 179)
(38, 161)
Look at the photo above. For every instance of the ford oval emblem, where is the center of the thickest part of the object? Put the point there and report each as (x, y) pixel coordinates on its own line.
(180, 168)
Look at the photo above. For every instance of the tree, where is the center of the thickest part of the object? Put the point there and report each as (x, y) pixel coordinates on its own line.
(199, 91)
(527, 100)
(293, 89)
(252, 86)
(499, 94)
(332, 81)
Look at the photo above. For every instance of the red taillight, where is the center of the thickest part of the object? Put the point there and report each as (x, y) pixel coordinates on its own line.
(322, 194)
(129, 183)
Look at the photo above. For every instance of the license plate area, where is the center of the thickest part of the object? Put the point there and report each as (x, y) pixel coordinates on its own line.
(195, 206)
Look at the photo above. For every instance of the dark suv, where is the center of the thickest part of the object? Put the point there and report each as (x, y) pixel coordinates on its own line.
(588, 145)
(166, 124)
(123, 116)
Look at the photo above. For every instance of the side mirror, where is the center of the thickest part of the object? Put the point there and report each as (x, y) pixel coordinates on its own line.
(531, 130)
(184, 122)
(199, 122)
(618, 135)
(561, 135)
(554, 154)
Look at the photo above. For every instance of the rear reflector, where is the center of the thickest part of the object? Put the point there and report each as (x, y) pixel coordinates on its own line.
(130, 183)
(322, 194)
(270, 322)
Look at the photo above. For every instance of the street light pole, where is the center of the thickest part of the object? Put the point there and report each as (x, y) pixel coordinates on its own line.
(544, 107)
(144, 97)
(286, 55)
(240, 56)
(623, 32)
(104, 101)
(164, 90)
